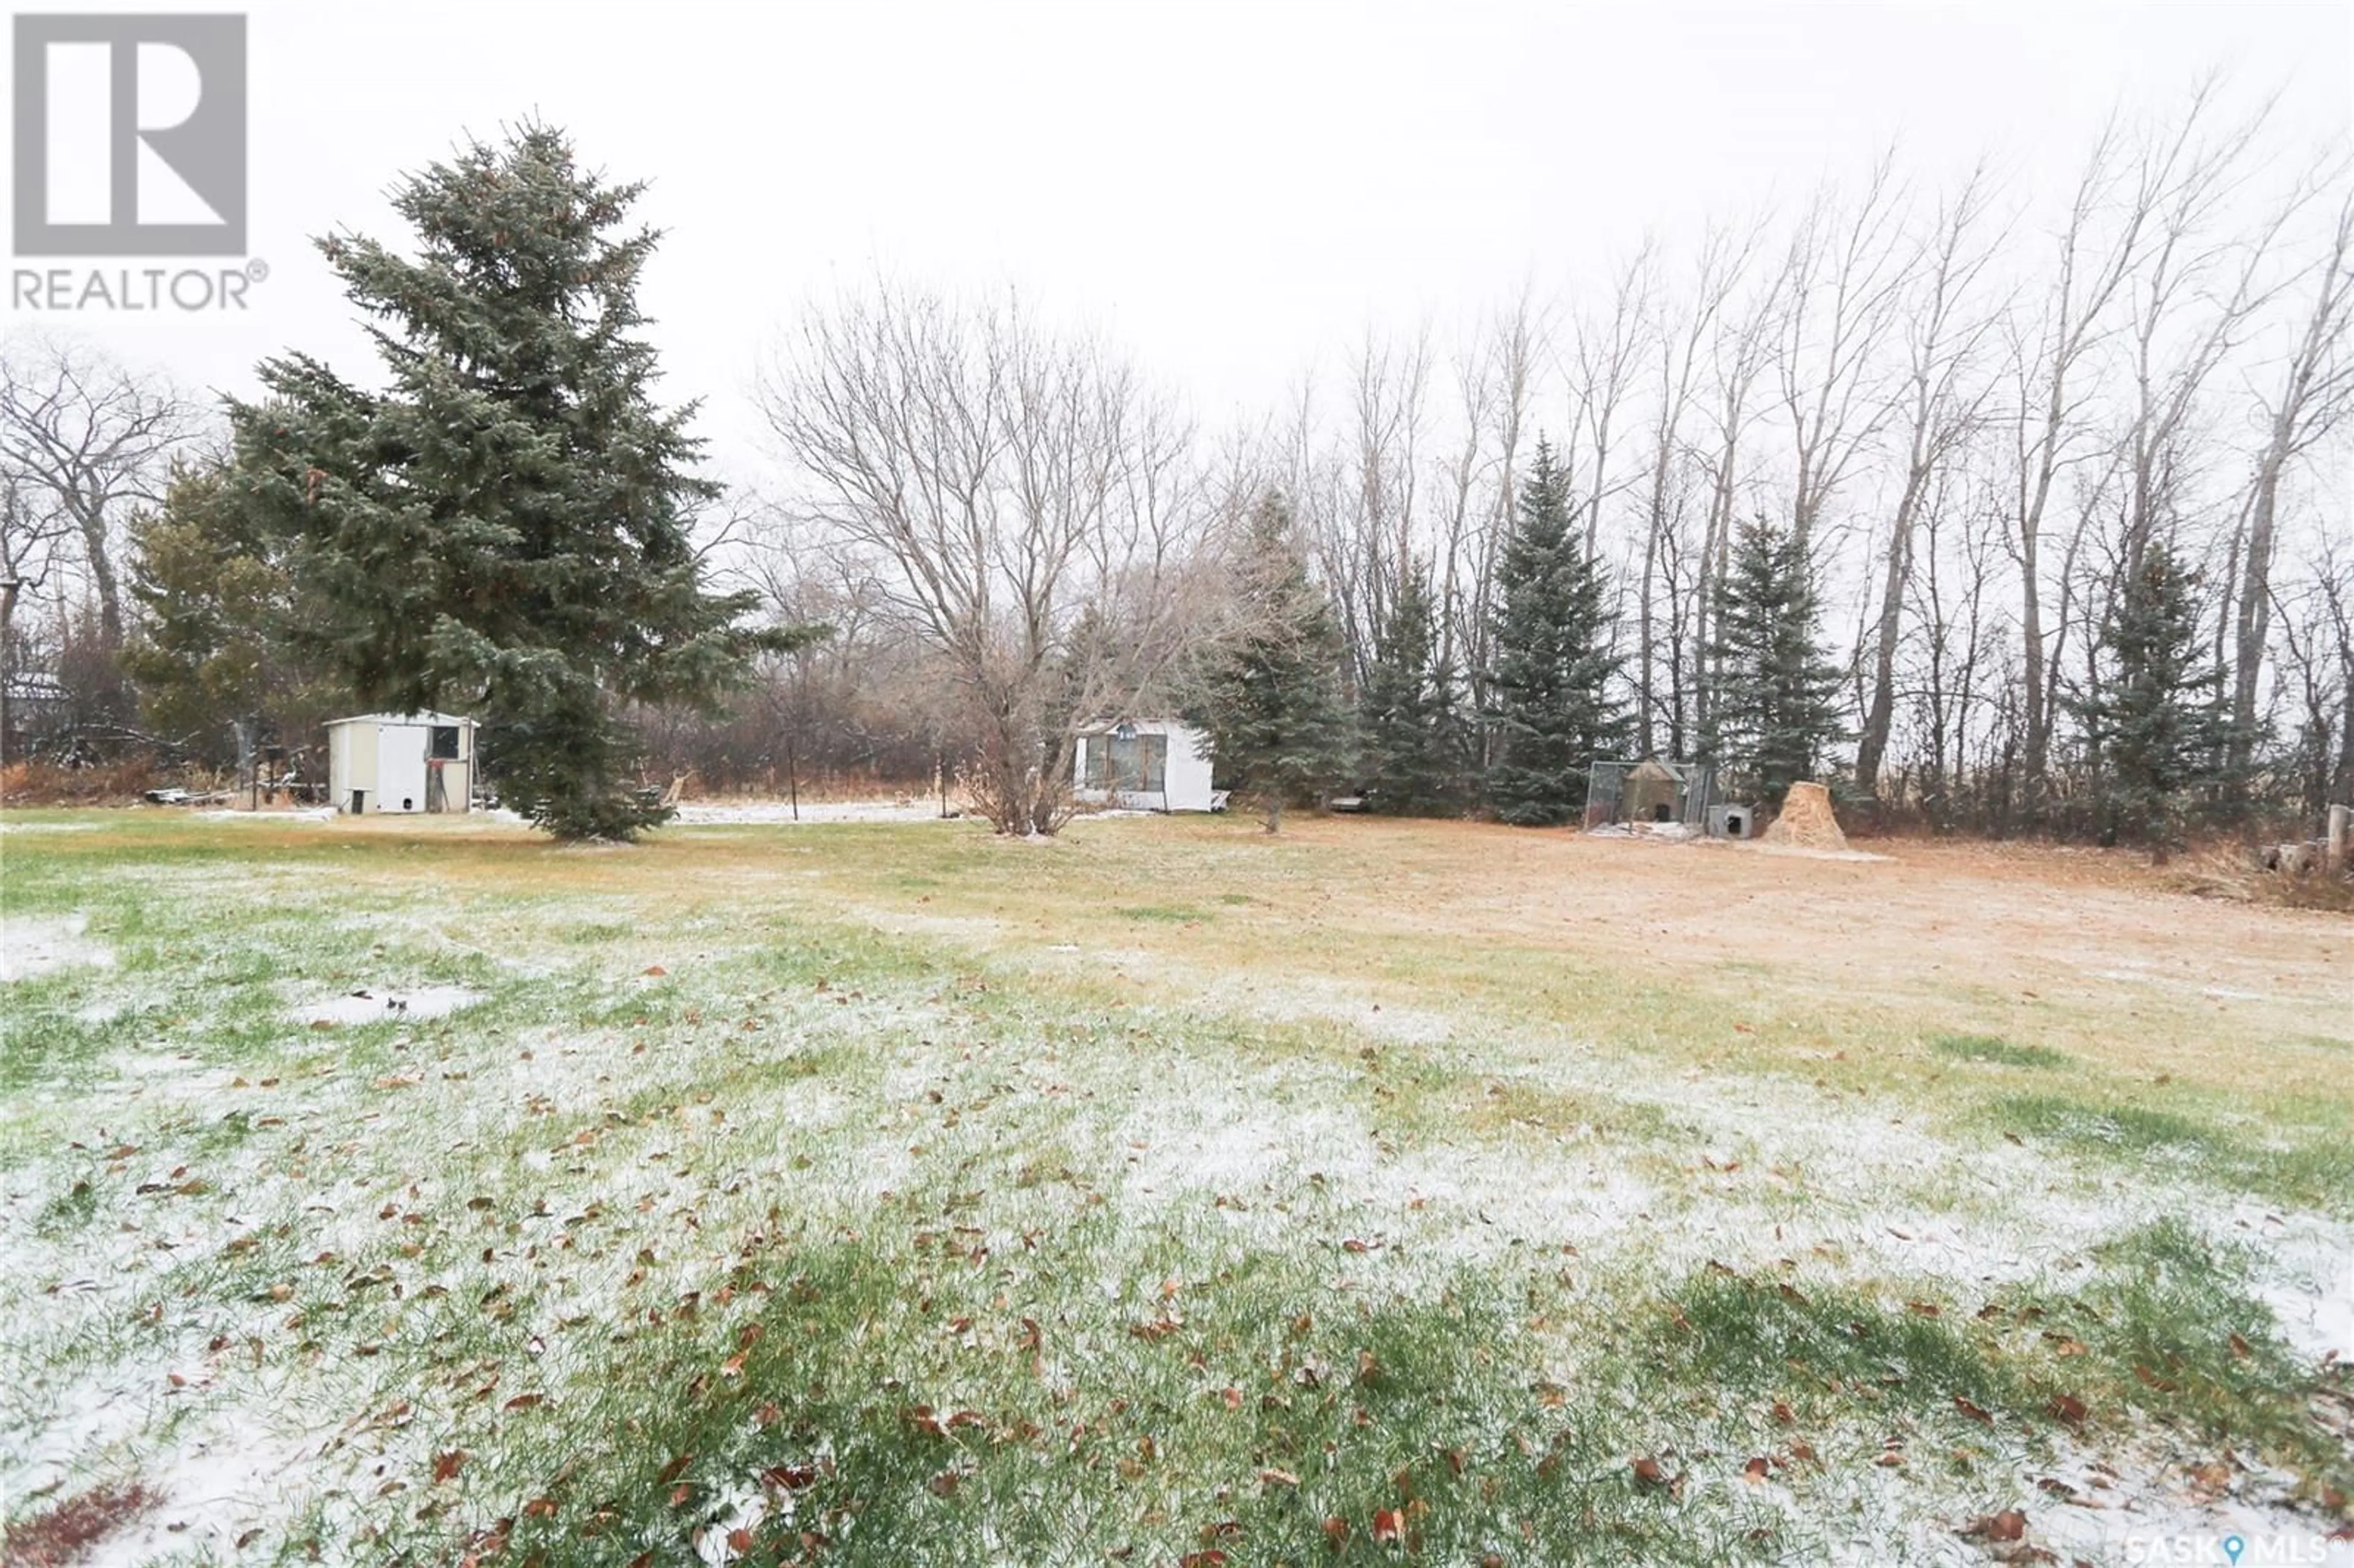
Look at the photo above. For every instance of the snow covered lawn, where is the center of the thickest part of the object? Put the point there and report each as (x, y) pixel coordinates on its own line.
(882, 1193)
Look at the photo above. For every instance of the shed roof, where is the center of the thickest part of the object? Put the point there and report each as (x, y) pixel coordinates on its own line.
(404, 719)
(1143, 725)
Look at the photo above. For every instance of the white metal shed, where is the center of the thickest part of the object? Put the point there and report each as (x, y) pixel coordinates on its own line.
(1149, 765)
(401, 762)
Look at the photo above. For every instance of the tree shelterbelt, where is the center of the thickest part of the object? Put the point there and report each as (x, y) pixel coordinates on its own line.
(1776, 711)
(506, 525)
(1550, 688)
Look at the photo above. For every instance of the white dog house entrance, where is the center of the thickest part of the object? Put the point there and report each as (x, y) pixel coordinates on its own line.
(401, 762)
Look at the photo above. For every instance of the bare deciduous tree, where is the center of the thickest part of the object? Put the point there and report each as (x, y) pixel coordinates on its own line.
(2315, 387)
(1939, 408)
(94, 439)
(1031, 500)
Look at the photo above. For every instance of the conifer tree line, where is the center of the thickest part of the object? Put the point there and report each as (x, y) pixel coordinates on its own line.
(2005, 509)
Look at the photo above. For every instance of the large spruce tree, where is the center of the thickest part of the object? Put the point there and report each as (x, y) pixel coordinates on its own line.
(504, 527)
(1776, 712)
(1271, 697)
(2155, 718)
(1549, 703)
(1411, 764)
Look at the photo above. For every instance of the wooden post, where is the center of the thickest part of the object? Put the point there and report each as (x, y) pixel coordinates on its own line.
(249, 765)
(2341, 827)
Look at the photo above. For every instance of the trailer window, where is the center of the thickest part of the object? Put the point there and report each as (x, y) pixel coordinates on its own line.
(441, 743)
(1134, 765)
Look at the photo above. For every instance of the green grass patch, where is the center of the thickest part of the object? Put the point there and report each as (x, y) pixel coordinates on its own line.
(1993, 1048)
(2309, 1162)
(1823, 1348)
(2171, 1328)
(916, 1409)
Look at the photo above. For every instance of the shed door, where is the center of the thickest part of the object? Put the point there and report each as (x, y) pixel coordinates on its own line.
(399, 768)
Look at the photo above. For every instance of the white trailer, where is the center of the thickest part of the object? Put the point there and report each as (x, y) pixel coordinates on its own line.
(1145, 764)
(401, 762)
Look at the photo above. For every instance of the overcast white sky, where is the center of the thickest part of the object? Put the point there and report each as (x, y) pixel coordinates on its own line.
(1232, 190)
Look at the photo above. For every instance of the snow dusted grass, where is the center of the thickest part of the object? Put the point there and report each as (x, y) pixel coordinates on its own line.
(882, 1193)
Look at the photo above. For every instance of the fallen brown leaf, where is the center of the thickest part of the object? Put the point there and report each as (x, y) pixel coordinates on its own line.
(2011, 1524)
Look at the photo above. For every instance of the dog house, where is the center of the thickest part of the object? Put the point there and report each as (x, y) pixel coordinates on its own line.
(401, 762)
(1733, 820)
(1652, 792)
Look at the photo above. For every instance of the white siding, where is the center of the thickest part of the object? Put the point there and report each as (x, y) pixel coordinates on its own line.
(400, 768)
(1189, 769)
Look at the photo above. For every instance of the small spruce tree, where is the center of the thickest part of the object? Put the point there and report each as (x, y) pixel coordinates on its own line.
(2156, 719)
(504, 527)
(1550, 705)
(1776, 712)
(1269, 697)
(1410, 760)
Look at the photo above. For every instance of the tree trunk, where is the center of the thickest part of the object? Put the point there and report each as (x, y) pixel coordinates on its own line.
(9, 588)
(2037, 742)
(1879, 710)
(101, 576)
(1647, 651)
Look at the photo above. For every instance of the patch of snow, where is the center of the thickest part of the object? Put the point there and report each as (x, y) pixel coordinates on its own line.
(976, 929)
(385, 1005)
(2145, 1509)
(232, 1478)
(2306, 1275)
(299, 814)
(7, 826)
(1651, 832)
(32, 948)
(149, 1066)
(713, 813)
(739, 1505)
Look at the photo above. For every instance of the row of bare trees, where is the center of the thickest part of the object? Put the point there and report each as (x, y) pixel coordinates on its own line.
(1978, 412)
